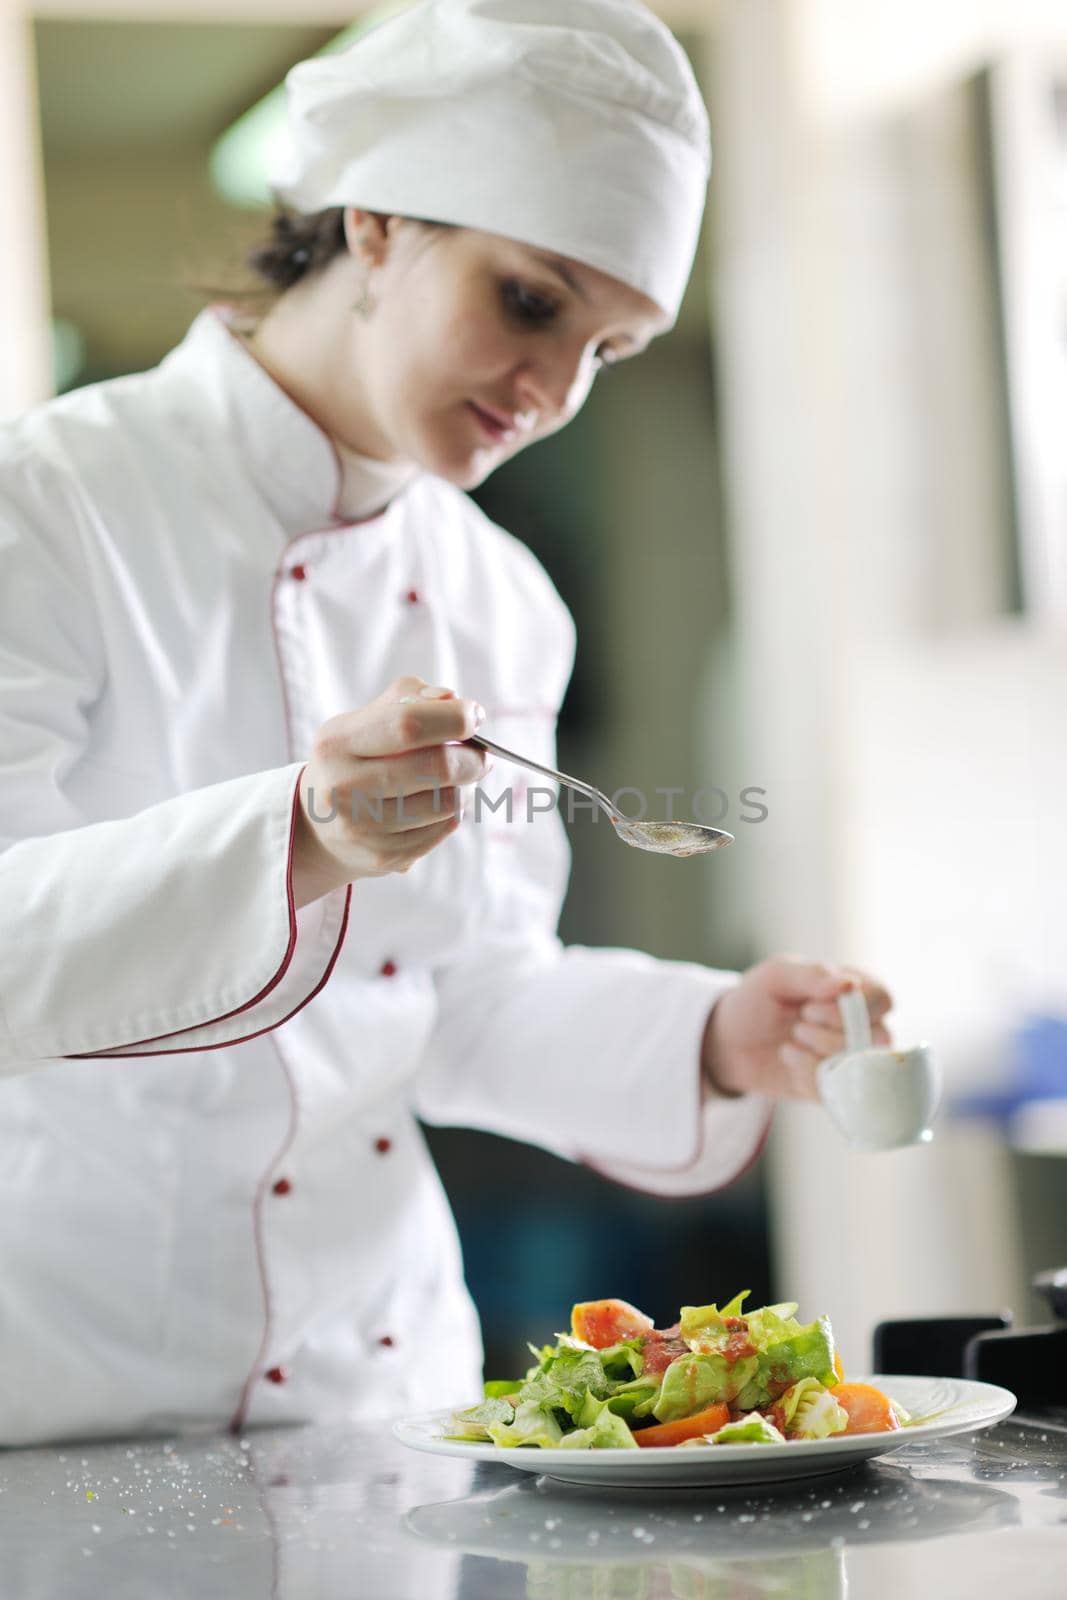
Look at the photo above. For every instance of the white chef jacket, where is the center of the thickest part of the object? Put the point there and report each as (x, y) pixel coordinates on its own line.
(215, 1200)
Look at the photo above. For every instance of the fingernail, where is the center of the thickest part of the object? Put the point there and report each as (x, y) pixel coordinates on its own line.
(479, 714)
(430, 692)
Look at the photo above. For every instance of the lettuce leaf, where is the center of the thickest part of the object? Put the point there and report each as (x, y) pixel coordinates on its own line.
(692, 1383)
(754, 1429)
(816, 1414)
(530, 1426)
(565, 1379)
(704, 1327)
(807, 1354)
(474, 1422)
(773, 1324)
(634, 1399)
(598, 1429)
(623, 1361)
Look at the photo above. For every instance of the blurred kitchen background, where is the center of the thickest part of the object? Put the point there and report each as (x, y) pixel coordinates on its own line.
(816, 544)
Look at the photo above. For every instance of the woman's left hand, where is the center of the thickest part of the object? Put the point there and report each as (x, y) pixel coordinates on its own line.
(767, 1035)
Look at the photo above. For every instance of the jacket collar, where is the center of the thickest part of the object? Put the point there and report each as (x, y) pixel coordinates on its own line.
(292, 462)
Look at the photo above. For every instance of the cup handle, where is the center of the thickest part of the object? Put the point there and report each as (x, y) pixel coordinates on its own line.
(855, 1019)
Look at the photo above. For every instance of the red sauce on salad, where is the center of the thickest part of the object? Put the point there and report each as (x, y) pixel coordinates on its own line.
(777, 1416)
(664, 1345)
(660, 1349)
(738, 1344)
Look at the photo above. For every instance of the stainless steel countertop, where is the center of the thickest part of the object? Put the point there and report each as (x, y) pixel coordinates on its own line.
(349, 1514)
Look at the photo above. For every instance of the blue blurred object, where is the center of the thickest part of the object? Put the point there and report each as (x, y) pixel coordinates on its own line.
(1037, 1070)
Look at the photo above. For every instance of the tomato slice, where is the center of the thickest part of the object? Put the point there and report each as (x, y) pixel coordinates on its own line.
(869, 1410)
(604, 1322)
(709, 1421)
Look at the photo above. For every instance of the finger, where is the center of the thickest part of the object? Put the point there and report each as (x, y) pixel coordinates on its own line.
(406, 848)
(799, 1067)
(879, 1000)
(409, 812)
(826, 1014)
(797, 981)
(428, 691)
(829, 1037)
(396, 723)
(415, 724)
(821, 1042)
(423, 771)
(822, 1014)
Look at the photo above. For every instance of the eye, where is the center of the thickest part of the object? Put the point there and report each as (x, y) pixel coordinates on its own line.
(528, 306)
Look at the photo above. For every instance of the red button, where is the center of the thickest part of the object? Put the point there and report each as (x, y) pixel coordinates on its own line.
(283, 1186)
(387, 969)
(412, 597)
(276, 1374)
(299, 573)
(383, 1146)
(386, 1339)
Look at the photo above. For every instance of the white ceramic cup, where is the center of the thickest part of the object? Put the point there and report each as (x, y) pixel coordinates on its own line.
(881, 1099)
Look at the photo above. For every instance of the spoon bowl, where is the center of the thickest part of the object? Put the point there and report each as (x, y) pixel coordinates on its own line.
(663, 838)
(671, 838)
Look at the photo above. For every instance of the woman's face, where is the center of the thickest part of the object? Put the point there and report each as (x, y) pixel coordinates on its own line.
(475, 346)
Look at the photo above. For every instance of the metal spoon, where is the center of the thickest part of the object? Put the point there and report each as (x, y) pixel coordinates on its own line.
(665, 838)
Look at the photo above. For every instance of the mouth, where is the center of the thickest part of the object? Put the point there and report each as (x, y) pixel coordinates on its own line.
(498, 425)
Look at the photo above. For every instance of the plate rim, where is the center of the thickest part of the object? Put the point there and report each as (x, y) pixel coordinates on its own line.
(999, 1404)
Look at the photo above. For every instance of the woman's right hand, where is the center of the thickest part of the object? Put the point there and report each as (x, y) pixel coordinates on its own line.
(384, 785)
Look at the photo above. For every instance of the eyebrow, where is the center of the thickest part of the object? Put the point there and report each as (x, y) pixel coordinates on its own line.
(561, 269)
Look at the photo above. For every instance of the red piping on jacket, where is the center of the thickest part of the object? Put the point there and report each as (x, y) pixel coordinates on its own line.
(237, 1421)
(115, 1053)
(635, 1188)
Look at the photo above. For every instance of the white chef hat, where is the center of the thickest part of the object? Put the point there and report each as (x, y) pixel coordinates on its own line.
(575, 126)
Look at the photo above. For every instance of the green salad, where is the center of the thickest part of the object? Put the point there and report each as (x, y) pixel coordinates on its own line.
(718, 1376)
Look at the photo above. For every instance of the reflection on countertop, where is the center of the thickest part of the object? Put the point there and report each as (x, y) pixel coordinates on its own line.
(347, 1512)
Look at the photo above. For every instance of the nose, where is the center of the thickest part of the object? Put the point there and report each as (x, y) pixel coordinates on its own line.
(556, 382)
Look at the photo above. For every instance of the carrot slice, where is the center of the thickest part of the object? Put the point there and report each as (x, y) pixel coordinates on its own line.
(869, 1411)
(709, 1421)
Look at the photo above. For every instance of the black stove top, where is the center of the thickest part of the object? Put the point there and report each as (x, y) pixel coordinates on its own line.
(1031, 1362)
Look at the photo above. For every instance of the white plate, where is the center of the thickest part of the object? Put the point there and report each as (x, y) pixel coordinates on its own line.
(962, 1406)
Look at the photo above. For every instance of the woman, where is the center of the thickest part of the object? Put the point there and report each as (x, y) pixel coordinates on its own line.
(249, 582)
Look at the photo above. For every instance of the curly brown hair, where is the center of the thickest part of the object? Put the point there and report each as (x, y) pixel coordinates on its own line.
(298, 243)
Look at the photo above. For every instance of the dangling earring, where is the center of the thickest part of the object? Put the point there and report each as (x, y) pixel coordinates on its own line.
(364, 305)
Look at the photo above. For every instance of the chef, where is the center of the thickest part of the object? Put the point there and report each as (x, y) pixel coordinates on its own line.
(248, 617)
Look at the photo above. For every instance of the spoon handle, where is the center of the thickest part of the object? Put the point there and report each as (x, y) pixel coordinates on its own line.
(855, 1019)
(546, 772)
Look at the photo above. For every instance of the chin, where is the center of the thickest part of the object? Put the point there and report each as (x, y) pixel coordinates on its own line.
(466, 471)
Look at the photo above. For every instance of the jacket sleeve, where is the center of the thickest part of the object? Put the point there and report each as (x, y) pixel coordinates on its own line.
(171, 929)
(591, 1053)
(594, 1054)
